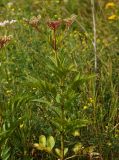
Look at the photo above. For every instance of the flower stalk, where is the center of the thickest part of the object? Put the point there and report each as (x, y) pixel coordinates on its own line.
(94, 34)
(62, 134)
(54, 40)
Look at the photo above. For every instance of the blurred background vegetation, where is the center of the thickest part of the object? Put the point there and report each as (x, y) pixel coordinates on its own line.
(29, 80)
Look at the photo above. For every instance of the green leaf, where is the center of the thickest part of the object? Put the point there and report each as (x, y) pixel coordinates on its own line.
(76, 133)
(5, 153)
(42, 140)
(48, 149)
(42, 101)
(58, 152)
(88, 150)
(50, 142)
(58, 97)
(77, 148)
(65, 151)
(39, 146)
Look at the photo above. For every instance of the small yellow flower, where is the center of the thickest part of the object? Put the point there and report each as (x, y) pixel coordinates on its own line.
(85, 107)
(9, 92)
(109, 144)
(76, 133)
(91, 100)
(112, 17)
(110, 5)
(21, 125)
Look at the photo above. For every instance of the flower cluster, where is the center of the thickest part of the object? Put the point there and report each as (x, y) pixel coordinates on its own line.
(55, 24)
(4, 40)
(34, 21)
(7, 22)
(52, 24)
(113, 17)
(69, 21)
(110, 5)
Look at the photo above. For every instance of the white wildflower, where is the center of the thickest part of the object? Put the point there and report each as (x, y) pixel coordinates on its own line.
(13, 21)
(65, 1)
(10, 4)
(6, 22)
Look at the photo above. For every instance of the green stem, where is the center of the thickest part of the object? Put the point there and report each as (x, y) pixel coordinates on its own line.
(62, 134)
(54, 40)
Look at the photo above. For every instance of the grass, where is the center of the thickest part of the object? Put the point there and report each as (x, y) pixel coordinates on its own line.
(56, 90)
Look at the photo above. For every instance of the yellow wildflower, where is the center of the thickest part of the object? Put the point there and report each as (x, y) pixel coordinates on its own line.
(110, 5)
(85, 107)
(76, 133)
(112, 17)
(9, 92)
(109, 144)
(91, 100)
(21, 125)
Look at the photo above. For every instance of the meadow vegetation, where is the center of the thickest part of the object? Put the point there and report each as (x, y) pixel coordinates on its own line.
(59, 80)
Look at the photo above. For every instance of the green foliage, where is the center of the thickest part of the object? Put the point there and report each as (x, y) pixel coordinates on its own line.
(45, 145)
(5, 152)
(58, 152)
(48, 85)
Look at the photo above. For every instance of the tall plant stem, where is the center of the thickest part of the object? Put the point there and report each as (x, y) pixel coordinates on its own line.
(95, 60)
(95, 52)
(54, 40)
(54, 43)
(62, 134)
(94, 34)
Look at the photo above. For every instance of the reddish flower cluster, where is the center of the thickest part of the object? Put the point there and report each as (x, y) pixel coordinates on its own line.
(54, 24)
(68, 22)
(4, 40)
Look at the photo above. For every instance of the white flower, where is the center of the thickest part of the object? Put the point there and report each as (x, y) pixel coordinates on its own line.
(65, 1)
(2, 24)
(6, 22)
(9, 4)
(13, 21)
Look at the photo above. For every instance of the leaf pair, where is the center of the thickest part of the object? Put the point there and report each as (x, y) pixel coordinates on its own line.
(59, 153)
(45, 144)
